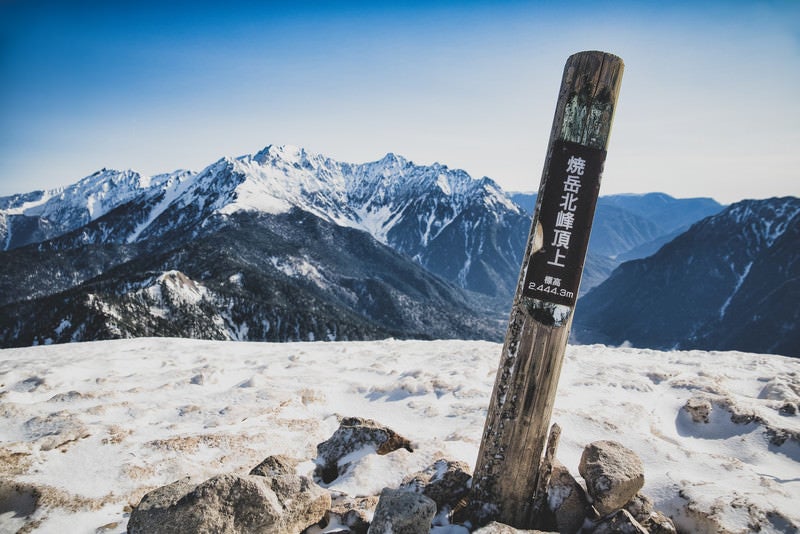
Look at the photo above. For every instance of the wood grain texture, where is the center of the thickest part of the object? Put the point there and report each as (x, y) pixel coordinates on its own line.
(507, 472)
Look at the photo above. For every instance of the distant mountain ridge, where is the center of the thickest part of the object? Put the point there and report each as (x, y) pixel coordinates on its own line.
(289, 245)
(631, 226)
(731, 282)
(107, 246)
(400, 204)
(254, 276)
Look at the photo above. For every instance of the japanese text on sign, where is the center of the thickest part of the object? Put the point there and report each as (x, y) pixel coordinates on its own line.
(565, 213)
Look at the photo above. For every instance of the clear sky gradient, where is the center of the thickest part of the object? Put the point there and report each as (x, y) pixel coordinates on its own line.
(709, 103)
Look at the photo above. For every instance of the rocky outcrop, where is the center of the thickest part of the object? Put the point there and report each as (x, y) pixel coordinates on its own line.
(444, 481)
(699, 408)
(402, 512)
(642, 509)
(274, 499)
(231, 504)
(613, 475)
(567, 500)
(275, 466)
(350, 514)
(354, 434)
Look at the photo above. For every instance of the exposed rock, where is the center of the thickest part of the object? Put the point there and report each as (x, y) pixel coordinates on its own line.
(640, 507)
(55, 429)
(715, 514)
(67, 397)
(402, 512)
(155, 506)
(620, 522)
(231, 504)
(29, 384)
(566, 499)
(699, 408)
(499, 528)
(444, 481)
(348, 514)
(354, 434)
(658, 523)
(613, 474)
(198, 379)
(276, 465)
(642, 510)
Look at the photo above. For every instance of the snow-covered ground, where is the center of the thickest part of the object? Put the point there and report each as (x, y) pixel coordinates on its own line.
(93, 426)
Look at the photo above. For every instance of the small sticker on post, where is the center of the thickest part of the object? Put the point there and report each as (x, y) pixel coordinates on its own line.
(565, 214)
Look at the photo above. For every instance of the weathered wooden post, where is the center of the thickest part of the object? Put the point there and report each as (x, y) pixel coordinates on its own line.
(507, 483)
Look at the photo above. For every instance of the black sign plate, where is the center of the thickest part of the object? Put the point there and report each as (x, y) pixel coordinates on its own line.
(565, 213)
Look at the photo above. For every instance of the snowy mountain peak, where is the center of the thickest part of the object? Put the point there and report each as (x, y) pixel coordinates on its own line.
(399, 203)
(287, 153)
(393, 160)
(36, 217)
(764, 220)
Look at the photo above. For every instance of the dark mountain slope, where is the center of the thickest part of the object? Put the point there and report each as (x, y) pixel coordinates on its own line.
(256, 277)
(728, 282)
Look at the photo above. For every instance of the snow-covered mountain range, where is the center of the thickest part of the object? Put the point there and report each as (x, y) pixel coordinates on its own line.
(629, 227)
(417, 210)
(732, 281)
(289, 245)
(388, 246)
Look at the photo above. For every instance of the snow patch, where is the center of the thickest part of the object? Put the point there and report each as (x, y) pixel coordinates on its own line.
(739, 281)
(443, 184)
(301, 267)
(63, 326)
(173, 189)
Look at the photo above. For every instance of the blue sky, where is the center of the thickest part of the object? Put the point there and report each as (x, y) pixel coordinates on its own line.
(708, 105)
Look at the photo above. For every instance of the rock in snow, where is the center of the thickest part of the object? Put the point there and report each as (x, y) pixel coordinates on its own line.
(566, 499)
(354, 438)
(445, 481)
(275, 466)
(613, 474)
(232, 504)
(402, 512)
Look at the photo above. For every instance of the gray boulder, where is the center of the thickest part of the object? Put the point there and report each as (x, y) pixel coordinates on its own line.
(402, 512)
(352, 513)
(613, 475)
(354, 434)
(566, 499)
(231, 504)
(444, 481)
(276, 465)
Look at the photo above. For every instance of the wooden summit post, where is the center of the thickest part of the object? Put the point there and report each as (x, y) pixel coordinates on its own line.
(509, 480)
